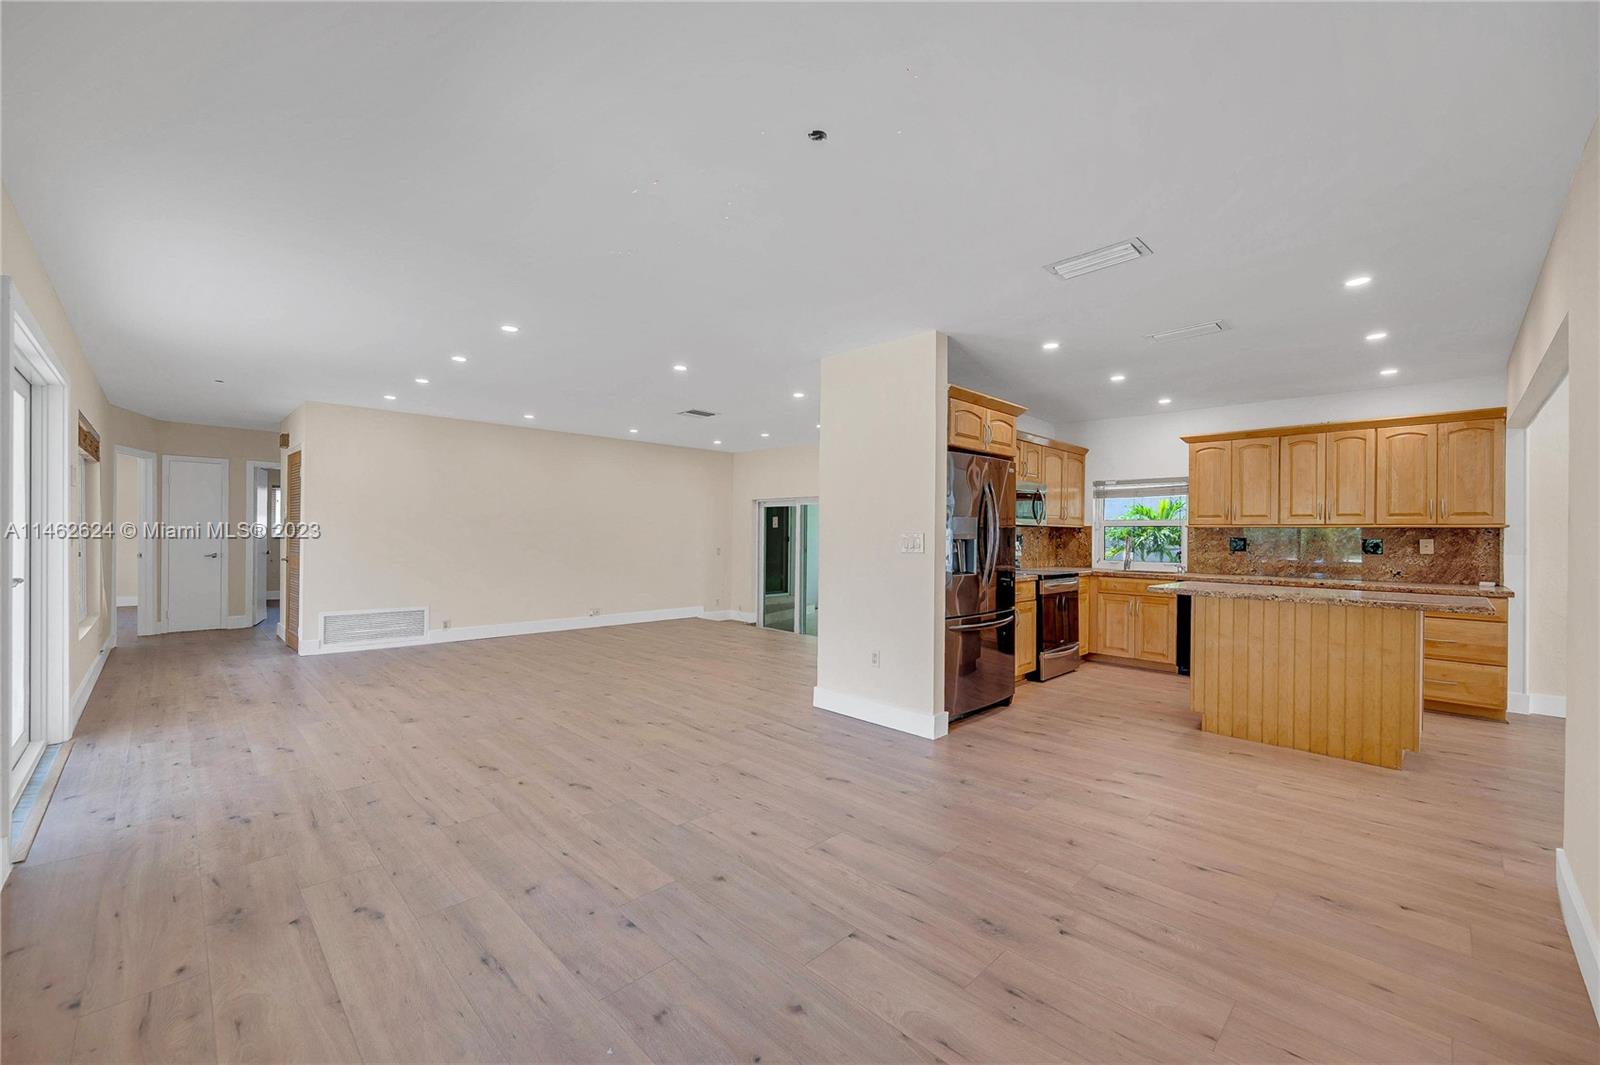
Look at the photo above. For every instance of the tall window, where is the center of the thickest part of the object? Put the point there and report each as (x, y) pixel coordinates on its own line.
(1142, 523)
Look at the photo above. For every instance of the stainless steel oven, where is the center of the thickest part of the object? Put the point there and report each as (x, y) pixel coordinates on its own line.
(1058, 626)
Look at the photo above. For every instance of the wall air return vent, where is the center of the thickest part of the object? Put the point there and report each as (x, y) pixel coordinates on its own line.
(1099, 259)
(693, 412)
(352, 627)
(1189, 331)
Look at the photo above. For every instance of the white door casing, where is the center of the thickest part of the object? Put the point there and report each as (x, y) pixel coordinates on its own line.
(194, 569)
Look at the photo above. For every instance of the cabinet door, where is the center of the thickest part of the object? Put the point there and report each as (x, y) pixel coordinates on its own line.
(1055, 481)
(1030, 461)
(1072, 495)
(966, 425)
(1002, 434)
(1027, 637)
(1114, 629)
(1156, 618)
(1210, 478)
(1300, 479)
(1408, 475)
(1348, 488)
(1472, 472)
(1255, 481)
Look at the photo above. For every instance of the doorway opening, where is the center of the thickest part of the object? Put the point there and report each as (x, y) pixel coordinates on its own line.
(264, 515)
(133, 564)
(789, 557)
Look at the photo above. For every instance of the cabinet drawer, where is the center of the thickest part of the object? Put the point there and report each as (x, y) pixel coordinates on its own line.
(1464, 682)
(1027, 590)
(1501, 610)
(1464, 640)
(1130, 585)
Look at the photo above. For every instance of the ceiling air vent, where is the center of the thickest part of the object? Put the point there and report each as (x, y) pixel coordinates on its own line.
(1099, 259)
(1189, 331)
(369, 626)
(694, 413)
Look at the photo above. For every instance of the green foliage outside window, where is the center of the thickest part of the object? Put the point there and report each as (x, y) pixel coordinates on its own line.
(1148, 543)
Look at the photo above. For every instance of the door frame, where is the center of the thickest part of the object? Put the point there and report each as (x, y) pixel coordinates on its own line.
(24, 346)
(166, 541)
(149, 623)
(759, 577)
(251, 518)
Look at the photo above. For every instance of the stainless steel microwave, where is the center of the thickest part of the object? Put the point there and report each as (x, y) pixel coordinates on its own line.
(1031, 504)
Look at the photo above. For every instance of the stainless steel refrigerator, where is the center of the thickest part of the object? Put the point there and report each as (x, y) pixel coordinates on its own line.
(979, 583)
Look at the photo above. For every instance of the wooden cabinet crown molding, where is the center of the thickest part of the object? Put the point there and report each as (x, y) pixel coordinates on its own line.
(967, 395)
(1486, 413)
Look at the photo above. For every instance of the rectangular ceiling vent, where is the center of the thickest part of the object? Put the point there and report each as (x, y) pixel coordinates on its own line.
(1099, 259)
(695, 413)
(371, 626)
(1189, 331)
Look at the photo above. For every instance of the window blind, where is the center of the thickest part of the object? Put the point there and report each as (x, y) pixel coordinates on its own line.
(1153, 486)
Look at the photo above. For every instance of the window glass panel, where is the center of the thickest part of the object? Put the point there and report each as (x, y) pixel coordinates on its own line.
(1147, 508)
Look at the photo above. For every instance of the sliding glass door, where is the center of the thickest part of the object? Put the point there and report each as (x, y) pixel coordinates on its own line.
(789, 559)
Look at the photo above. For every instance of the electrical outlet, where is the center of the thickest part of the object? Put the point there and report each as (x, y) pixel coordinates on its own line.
(1425, 545)
(594, 611)
(876, 660)
(445, 624)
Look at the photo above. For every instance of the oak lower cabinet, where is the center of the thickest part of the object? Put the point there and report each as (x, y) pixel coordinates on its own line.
(1464, 663)
(1114, 632)
(1127, 622)
(1155, 620)
(1027, 627)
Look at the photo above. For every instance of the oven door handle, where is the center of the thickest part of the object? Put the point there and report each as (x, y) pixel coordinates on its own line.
(980, 625)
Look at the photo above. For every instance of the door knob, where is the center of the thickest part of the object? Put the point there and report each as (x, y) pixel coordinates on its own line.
(15, 581)
(212, 555)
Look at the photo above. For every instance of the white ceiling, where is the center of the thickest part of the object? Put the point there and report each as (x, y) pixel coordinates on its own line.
(325, 201)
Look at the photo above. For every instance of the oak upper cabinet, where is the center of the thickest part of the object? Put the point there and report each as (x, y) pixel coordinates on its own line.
(1055, 479)
(1301, 492)
(1073, 509)
(1408, 474)
(1030, 461)
(1114, 631)
(1472, 472)
(1348, 487)
(1255, 481)
(983, 423)
(1210, 482)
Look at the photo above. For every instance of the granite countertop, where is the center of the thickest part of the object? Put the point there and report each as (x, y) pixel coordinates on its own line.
(1498, 591)
(1457, 603)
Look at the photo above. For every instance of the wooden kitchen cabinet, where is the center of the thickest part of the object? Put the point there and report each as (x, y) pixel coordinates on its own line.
(1156, 626)
(1210, 482)
(1348, 485)
(1301, 478)
(1408, 474)
(1255, 481)
(1030, 461)
(982, 423)
(1472, 472)
(1027, 628)
(1114, 632)
(1073, 497)
(1055, 481)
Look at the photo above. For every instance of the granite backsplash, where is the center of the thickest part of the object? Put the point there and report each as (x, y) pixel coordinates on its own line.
(1045, 547)
(1460, 556)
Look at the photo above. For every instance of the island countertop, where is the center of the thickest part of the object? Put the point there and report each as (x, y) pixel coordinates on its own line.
(1464, 605)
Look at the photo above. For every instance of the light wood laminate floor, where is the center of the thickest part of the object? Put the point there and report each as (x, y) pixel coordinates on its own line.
(643, 843)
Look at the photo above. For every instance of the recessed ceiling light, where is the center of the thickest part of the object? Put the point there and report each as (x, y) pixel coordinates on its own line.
(1377, 336)
(422, 380)
(633, 430)
(458, 358)
(1389, 372)
(1357, 282)
(718, 443)
(508, 328)
(819, 425)
(1164, 400)
(765, 435)
(1099, 259)
(799, 395)
(680, 368)
(1051, 345)
(1118, 378)
(528, 416)
(388, 397)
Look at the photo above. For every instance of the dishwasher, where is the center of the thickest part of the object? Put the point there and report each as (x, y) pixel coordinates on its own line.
(1058, 626)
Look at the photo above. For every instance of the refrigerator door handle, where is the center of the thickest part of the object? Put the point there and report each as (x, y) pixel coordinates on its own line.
(981, 625)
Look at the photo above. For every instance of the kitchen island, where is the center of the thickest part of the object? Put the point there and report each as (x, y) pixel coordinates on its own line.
(1332, 671)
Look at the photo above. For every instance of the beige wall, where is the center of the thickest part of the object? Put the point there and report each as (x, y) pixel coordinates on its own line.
(881, 474)
(1545, 602)
(1563, 317)
(275, 547)
(489, 525)
(127, 509)
(781, 473)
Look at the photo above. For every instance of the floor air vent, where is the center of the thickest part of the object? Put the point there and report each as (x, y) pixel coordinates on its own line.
(369, 626)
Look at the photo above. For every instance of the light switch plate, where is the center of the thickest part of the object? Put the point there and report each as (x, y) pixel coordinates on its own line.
(1425, 545)
(911, 544)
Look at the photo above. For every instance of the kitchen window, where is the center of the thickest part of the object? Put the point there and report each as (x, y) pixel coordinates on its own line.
(1142, 521)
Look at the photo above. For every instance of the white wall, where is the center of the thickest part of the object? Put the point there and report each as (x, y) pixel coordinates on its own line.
(881, 475)
(1545, 603)
(127, 509)
(778, 473)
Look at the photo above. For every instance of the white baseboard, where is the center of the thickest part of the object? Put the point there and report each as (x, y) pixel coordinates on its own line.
(747, 617)
(80, 698)
(1580, 929)
(272, 597)
(1536, 703)
(236, 621)
(900, 718)
(127, 600)
(511, 628)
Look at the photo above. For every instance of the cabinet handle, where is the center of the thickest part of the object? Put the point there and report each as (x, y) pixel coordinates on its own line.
(1444, 508)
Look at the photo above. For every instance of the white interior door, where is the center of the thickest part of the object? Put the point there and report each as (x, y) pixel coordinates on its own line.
(259, 545)
(19, 644)
(195, 504)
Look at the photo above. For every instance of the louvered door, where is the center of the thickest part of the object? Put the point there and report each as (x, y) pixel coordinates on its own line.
(291, 553)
